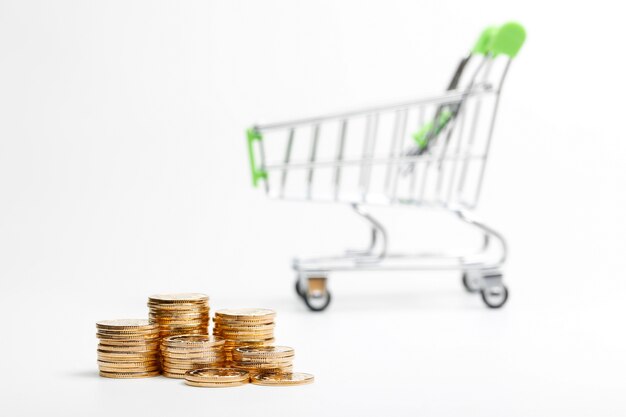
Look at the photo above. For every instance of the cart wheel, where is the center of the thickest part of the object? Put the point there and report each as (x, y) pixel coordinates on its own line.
(316, 295)
(470, 283)
(495, 297)
(299, 290)
(317, 302)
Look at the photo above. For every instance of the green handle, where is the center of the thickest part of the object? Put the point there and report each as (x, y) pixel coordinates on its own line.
(503, 40)
(257, 173)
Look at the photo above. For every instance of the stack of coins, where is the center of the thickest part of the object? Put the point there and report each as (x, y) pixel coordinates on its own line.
(264, 359)
(216, 377)
(270, 379)
(128, 348)
(244, 327)
(178, 314)
(180, 354)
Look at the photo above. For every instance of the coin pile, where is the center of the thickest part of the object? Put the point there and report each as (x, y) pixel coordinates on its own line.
(273, 379)
(252, 327)
(178, 314)
(216, 377)
(263, 359)
(180, 354)
(128, 348)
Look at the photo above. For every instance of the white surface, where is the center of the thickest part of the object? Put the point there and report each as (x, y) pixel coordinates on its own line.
(123, 172)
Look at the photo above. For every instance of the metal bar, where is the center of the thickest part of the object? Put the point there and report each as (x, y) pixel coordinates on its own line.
(368, 153)
(457, 150)
(262, 165)
(448, 98)
(283, 179)
(392, 147)
(314, 138)
(413, 167)
(372, 161)
(472, 134)
(490, 134)
(398, 152)
(340, 149)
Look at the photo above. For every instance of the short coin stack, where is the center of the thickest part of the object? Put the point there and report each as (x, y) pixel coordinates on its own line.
(180, 354)
(216, 377)
(263, 359)
(128, 348)
(178, 314)
(244, 327)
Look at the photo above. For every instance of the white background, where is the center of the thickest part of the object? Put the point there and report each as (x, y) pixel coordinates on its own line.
(123, 172)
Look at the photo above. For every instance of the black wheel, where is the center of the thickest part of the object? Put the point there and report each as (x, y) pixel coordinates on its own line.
(298, 289)
(495, 297)
(471, 284)
(317, 302)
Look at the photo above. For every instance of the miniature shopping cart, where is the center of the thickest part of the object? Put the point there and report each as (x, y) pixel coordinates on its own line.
(429, 152)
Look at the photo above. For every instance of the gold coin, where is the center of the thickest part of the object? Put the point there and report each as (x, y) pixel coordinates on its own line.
(282, 379)
(125, 324)
(192, 341)
(217, 375)
(178, 298)
(245, 314)
(247, 328)
(215, 384)
(256, 371)
(187, 359)
(127, 334)
(261, 361)
(152, 368)
(127, 357)
(261, 365)
(175, 375)
(181, 368)
(127, 349)
(147, 337)
(125, 375)
(263, 351)
(256, 322)
(128, 364)
(129, 343)
(114, 352)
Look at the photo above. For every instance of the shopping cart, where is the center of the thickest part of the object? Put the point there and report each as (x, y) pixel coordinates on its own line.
(430, 152)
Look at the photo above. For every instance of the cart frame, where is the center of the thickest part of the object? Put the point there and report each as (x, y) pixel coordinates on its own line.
(435, 171)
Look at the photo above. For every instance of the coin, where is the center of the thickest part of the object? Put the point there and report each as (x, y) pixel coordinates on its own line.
(246, 313)
(282, 379)
(153, 368)
(193, 341)
(125, 375)
(264, 351)
(128, 364)
(215, 384)
(178, 298)
(217, 375)
(125, 324)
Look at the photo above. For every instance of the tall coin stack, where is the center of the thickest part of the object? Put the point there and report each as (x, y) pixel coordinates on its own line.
(264, 359)
(252, 327)
(128, 348)
(178, 314)
(180, 354)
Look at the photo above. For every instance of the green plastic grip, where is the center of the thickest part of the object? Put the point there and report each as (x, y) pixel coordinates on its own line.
(503, 40)
(481, 47)
(257, 173)
(426, 133)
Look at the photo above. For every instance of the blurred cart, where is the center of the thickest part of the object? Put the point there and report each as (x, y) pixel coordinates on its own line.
(430, 152)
